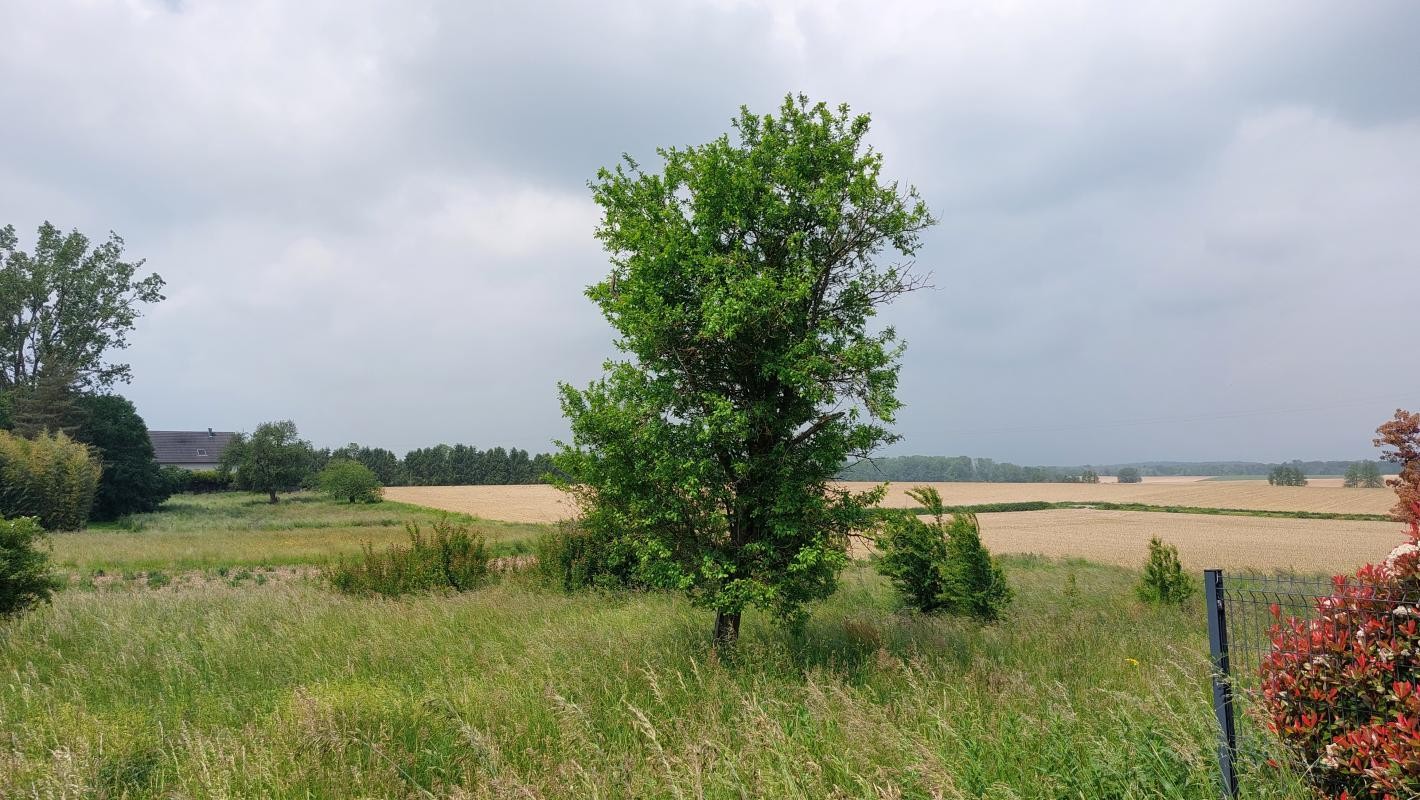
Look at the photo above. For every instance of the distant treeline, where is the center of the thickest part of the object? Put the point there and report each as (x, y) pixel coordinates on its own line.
(446, 465)
(965, 468)
(1248, 467)
(955, 468)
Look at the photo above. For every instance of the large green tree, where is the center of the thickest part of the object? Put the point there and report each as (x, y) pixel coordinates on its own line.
(65, 306)
(272, 459)
(131, 481)
(745, 275)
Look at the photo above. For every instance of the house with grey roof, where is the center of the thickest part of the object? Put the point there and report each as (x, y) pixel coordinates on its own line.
(190, 449)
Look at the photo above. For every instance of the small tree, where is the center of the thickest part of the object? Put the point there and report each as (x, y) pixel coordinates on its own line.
(272, 459)
(1287, 475)
(1089, 476)
(1402, 436)
(132, 482)
(942, 566)
(1164, 582)
(25, 579)
(1130, 475)
(351, 481)
(1363, 475)
(745, 278)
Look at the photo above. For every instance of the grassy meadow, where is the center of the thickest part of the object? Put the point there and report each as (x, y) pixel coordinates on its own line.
(287, 689)
(237, 530)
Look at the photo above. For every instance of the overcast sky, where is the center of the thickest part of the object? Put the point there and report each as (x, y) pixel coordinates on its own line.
(1169, 230)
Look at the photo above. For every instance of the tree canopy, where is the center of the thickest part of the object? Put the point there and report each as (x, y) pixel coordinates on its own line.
(745, 274)
(272, 459)
(1401, 435)
(1364, 475)
(65, 306)
(131, 481)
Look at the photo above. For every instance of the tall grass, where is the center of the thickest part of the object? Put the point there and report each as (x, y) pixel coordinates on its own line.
(231, 530)
(514, 691)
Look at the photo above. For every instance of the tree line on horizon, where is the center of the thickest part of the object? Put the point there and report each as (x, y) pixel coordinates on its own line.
(953, 469)
(445, 465)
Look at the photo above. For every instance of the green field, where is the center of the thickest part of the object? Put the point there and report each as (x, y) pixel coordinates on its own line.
(287, 689)
(235, 530)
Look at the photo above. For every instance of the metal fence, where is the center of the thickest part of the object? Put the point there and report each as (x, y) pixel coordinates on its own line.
(1256, 625)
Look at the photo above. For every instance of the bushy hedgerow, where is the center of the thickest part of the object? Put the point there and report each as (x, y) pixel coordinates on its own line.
(25, 579)
(348, 481)
(202, 481)
(1342, 688)
(572, 556)
(1164, 582)
(50, 477)
(453, 558)
(942, 565)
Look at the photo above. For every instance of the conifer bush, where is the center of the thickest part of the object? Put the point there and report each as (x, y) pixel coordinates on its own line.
(25, 579)
(942, 566)
(1164, 582)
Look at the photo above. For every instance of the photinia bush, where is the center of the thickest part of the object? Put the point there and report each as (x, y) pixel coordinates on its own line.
(1342, 688)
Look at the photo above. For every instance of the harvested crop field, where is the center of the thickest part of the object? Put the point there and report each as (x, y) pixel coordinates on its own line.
(1249, 495)
(1122, 537)
(535, 503)
(1114, 537)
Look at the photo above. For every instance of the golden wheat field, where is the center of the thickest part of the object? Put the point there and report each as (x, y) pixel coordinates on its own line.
(1249, 495)
(536, 503)
(1116, 537)
(1203, 540)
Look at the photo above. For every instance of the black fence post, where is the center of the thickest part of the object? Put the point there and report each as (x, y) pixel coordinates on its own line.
(1222, 679)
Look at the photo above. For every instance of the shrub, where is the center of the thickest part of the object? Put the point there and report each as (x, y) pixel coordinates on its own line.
(202, 481)
(452, 559)
(25, 579)
(351, 481)
(1130, 475)
(573, 556)
(50, 477)
(942, 566)
(1164, 582)
(178, 479)
(1342, 689)
(132, 482)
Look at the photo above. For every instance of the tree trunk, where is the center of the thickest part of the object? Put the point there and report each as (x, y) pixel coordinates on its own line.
(272, 492)
(727, 628)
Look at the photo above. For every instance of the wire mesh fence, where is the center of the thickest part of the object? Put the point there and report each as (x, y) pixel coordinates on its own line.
(1299, 661)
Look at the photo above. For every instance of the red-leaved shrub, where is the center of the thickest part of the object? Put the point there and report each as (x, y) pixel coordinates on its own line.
(1341, 689)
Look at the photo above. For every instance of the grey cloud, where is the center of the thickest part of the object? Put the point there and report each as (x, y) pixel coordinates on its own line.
(373, 215)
